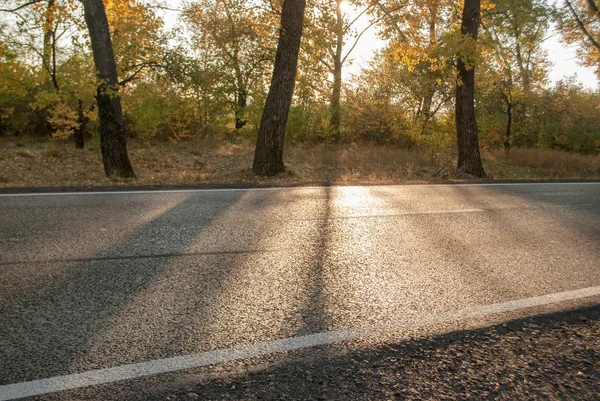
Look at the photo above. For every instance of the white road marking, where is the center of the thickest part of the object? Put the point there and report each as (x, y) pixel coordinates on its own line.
(137, 370)
(378, 216)
(185, 191)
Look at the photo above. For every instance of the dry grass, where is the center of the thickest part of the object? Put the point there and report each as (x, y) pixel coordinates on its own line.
(541, 164)
(352, 163)
(29, 162)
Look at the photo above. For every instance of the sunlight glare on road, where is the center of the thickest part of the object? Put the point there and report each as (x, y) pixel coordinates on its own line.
(357, 201)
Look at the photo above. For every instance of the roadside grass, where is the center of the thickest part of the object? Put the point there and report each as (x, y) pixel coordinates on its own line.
(29, 162)
(527, 163)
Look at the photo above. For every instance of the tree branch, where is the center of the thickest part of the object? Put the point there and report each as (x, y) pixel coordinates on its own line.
(159, 7)
(367, 28)
(388, 13)
(140, 68)
(12, 10)
(581, 25)
(349, 25)
(357, 39)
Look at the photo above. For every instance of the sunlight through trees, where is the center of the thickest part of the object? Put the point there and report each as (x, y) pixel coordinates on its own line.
(444, 82)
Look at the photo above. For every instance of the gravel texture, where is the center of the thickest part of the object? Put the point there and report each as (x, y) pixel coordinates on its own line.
(554, 357)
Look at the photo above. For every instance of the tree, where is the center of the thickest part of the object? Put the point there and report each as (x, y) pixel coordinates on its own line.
(469, 158)
(570, 117)
(17, 82)
(378, 104)
(334, 31)
(237, 36)
(342, 27)
(137, 38)
(112, 132)
(39, 31)
(515, 63)
(50, 19)
(268, 156)
(579, 22)
(421, 42)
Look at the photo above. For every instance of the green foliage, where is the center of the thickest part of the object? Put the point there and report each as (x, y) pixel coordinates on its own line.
(191, 83)
(17, 85)
(308, 123)
(571, 118)
(233, 42)
(156, 111)
(579, 24)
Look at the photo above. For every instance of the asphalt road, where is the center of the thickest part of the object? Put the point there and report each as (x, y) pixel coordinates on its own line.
(93, 281)
(549, 357)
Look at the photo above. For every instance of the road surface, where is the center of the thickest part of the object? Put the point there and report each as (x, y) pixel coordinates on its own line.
(101, 280)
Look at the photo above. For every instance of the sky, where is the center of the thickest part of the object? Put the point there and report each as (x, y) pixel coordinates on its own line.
(563, 57)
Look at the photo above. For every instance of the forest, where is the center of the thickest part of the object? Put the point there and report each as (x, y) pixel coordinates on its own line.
(236, 90)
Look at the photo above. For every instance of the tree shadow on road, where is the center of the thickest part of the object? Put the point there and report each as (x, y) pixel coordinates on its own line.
(128, 304)
(43, 333)
(551, 356)
(314, 313)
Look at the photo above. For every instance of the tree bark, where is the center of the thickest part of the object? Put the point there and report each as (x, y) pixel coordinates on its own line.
(429, 84)
(112, 131)
(82, 119)
(49, 48)
(242, 102)
(335, 103)
(469, 158)
(336, 93)
(426, 103)
(48, 35)
(268, 156)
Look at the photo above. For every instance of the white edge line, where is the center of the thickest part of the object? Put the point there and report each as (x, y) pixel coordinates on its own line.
(299, 188)
(154, 367)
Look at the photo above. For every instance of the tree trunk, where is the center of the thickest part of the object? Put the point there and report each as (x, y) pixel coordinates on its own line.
(426, 103)
(242, 102)
(469, 158)
(112, 131)
(49, 48)
(268, 156)
(336, 93)
(509, 108)
(335, 104)
(430, 76)
(82, 124)
(48, 35)
(523, 70)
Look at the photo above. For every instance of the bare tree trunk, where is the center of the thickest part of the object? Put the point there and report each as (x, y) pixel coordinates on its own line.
(429, 84)
(48, 35)
(426, 104)
(242, 102)
(523, 70)
(469, 158)
(335, 104)
(336, 93)
(112, 131)
(268, 156)
(427, 101)
(82, 119)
